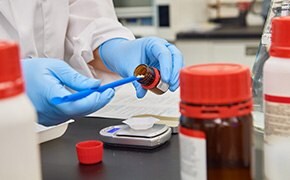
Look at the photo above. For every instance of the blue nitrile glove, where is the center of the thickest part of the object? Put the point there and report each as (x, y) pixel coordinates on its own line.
(46, 78)
(122, 56)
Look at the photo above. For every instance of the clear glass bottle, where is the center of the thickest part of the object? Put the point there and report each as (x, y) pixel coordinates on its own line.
(277, 8)
(216, 122)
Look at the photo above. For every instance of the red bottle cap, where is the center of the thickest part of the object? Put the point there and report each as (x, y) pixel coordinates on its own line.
(207, 90)
(243, 6)
(90, 152)
(280, 45)
(11, 82)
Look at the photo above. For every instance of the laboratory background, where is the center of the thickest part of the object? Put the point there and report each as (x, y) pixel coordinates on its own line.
(228, 120)
(204, 30)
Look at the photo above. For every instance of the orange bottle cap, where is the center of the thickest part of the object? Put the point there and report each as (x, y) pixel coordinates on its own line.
(280, 45)
(210, 87)
(11, 81)
(89, 152)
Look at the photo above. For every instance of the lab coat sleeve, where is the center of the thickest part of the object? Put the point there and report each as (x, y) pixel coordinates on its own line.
(91, 22)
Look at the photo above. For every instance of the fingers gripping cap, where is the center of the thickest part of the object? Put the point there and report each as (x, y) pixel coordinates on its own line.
(11, 82)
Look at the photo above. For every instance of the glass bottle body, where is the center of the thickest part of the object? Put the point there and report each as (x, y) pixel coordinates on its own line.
(228, 145)
(151, 80)
(277, 8)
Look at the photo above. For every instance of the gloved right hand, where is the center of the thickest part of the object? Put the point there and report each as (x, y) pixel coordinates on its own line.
(47, 78)
(122, 56)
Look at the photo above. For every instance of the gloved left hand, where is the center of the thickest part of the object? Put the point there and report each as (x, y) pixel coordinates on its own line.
(122, 56)
(46, 78)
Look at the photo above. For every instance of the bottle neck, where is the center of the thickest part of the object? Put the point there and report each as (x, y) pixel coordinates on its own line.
(154, 80)
(11, 88)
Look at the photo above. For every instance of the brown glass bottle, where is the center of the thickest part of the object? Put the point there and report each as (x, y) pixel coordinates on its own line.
(228, 143)
(216, 122)
(152, 80)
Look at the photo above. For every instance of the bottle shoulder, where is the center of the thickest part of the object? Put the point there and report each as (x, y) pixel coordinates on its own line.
(18, 108)
(275, 64)
(276, 77)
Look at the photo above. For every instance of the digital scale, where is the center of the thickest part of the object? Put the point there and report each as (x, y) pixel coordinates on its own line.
(123, 135)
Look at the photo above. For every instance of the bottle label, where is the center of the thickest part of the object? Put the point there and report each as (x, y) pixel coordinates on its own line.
(277, 116)
(162, 86)
(277, 137)
(285, 8)
(192, 154)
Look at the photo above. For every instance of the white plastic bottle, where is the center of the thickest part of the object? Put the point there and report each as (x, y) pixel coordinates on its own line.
(19, 151)
(277, 103)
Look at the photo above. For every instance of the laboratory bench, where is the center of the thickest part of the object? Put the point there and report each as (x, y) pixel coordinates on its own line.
(59, 160)
(232, 44)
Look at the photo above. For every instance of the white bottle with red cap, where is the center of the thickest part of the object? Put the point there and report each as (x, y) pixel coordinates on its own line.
(277, 103)
(19, 151)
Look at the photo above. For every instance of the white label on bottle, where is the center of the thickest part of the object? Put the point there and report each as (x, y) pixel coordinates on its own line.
(266, 39)
(162, 86)
(192, 155)
(285, 9)
(277, 137)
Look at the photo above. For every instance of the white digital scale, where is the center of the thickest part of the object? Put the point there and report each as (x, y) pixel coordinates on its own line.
(123, 135)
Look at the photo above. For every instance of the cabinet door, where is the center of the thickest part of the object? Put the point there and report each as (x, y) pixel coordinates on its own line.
(209, 51)
(235, 51)
(195, 51)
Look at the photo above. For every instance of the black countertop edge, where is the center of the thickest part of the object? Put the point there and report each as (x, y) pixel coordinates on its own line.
(222, 33)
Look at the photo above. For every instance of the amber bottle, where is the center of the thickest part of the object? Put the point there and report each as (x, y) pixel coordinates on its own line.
(216, 122)
(152, 79)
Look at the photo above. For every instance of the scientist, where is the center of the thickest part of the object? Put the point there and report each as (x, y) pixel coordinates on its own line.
(86, 35)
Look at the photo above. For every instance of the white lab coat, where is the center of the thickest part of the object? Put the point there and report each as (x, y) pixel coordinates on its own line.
(62, 29)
